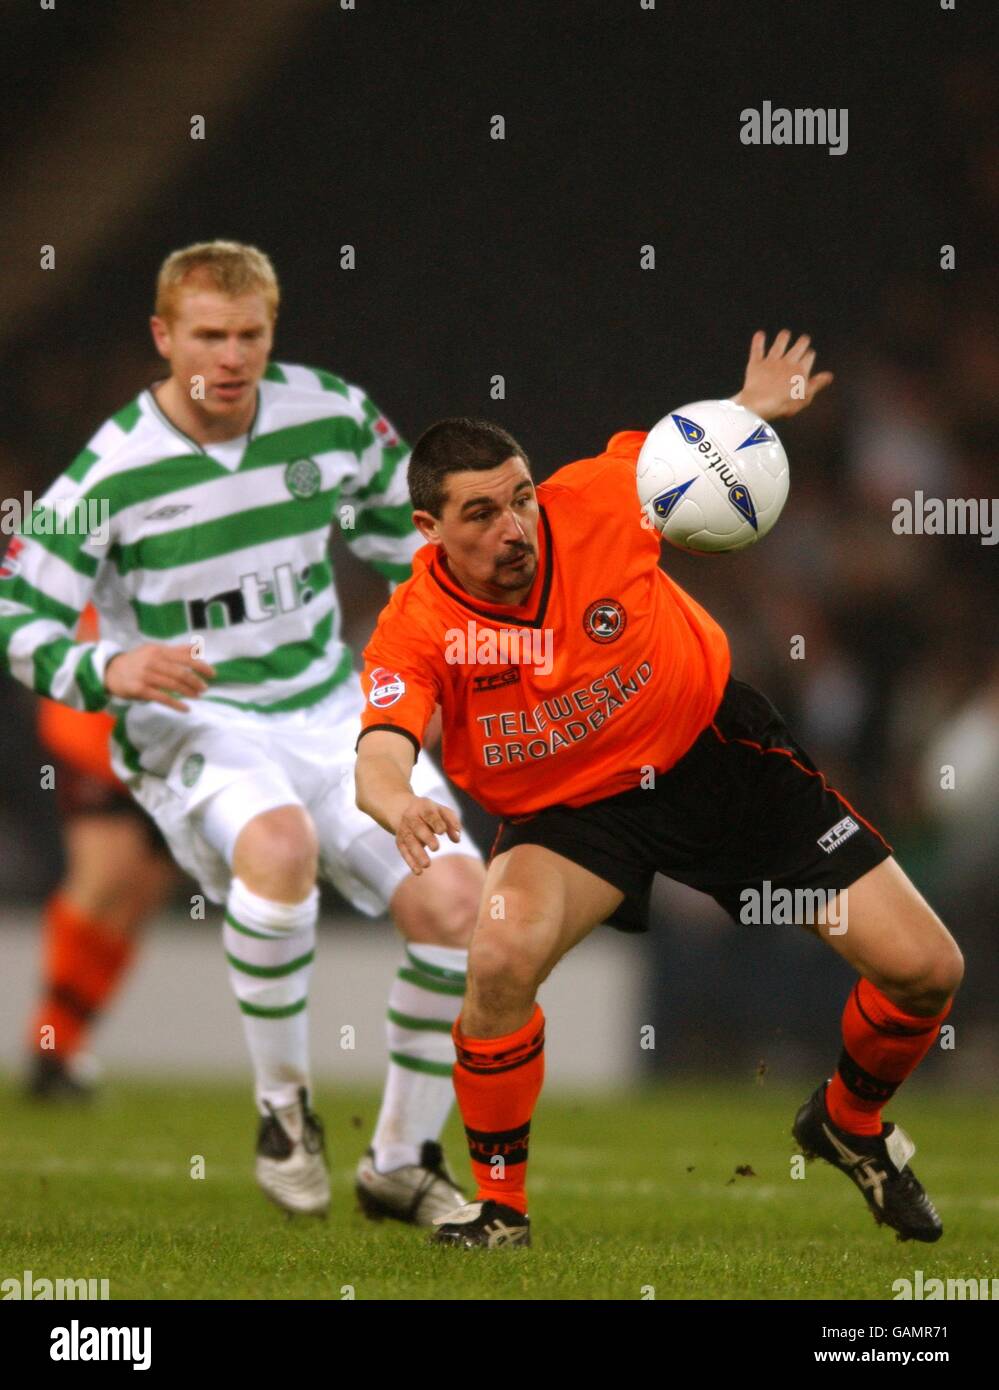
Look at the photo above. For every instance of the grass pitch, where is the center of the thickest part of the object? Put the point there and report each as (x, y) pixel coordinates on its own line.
(637, 1193)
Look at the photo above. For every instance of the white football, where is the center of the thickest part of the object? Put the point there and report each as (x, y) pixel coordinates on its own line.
(712, 477)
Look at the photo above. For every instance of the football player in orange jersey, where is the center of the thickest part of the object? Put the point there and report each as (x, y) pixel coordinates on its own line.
(588, 701)
(118, 874)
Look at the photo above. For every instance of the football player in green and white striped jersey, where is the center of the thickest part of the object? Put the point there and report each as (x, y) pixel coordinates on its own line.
(197, 521)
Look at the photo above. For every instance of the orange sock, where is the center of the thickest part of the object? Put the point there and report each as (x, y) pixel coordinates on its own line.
(83, 961)
(881, 1045)
(497, 1082)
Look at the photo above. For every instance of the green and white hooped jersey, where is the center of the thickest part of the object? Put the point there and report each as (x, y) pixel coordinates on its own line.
(226, 543)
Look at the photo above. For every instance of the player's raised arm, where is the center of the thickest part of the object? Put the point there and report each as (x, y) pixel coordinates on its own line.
(779, 383)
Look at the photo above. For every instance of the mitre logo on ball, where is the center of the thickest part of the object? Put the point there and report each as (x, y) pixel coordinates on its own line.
(712, 477)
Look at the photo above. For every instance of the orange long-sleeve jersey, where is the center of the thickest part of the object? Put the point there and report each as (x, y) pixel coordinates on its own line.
(607, 669)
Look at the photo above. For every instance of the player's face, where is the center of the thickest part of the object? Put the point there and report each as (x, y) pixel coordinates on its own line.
(223, 340)
(488, 529)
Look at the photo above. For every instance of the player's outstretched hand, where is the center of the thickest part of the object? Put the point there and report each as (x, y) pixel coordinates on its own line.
(780, 382)
(420, 823)
(157, 673)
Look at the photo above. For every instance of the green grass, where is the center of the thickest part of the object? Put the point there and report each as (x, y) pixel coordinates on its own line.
(627, 1192)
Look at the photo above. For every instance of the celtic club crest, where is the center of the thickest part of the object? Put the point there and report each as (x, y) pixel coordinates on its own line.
(191, 769)
(302, 478)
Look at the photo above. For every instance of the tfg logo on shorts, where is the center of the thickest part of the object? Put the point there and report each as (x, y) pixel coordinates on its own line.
(835, 836)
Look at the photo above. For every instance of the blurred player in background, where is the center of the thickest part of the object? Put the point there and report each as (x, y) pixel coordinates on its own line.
(203, 511)
(118, 874)
(637, 682)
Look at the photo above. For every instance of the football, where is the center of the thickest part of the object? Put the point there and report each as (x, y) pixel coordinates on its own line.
(712, 477)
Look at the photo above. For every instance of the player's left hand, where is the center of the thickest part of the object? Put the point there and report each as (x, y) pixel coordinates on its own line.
(419, 824)
(780, 382)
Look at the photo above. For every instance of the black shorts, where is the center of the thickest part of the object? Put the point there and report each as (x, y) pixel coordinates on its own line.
(745, 805)
(80, 794)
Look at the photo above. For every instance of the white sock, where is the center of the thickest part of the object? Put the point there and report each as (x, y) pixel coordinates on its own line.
(424, 1002)
(269, 947)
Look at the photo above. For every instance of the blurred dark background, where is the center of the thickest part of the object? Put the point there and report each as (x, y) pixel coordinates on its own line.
(371, 127)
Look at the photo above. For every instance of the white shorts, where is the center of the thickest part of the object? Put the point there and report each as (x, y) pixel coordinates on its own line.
(207, 773)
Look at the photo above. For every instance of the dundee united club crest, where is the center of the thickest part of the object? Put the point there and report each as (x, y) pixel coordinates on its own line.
(605, 620)
(302, 478)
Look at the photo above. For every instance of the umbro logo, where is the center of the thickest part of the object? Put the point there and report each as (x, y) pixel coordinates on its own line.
(837, 833)
(168, 513)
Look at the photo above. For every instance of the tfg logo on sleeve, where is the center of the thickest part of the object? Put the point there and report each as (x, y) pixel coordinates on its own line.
(837, 833)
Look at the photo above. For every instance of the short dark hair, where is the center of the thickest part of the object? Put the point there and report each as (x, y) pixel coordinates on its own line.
(451, 446)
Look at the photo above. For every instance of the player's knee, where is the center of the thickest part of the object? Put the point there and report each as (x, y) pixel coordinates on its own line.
(930, 979)
(104, 901)
(277, 854)
(440, 907)
(501, 967)
(946, 971)
(511, 943)
(105, 895)
(457, 895)
(107, 858)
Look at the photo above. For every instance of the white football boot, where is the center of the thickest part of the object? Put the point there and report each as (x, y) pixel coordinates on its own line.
(419, 1193)
(291, 1158)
